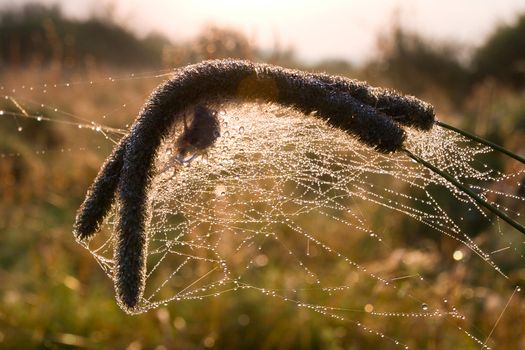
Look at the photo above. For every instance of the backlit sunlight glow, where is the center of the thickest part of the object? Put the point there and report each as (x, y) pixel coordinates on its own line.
(315, 30)
(279, 230)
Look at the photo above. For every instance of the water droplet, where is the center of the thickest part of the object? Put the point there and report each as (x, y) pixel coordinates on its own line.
(424, 307)
(458, 255)
(20, 128)
(185, 159)
(241, 130)
(39, 118)
(369, 308)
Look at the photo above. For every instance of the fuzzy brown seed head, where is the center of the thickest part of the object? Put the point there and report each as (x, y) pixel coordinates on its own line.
(372, 115)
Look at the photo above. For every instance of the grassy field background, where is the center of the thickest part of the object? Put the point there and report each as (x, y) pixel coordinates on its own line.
(54, 295)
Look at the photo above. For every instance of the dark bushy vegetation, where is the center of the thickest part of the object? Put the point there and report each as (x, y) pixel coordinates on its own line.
(39, 35)
(35, 35)
(418, 66)
(502, 57)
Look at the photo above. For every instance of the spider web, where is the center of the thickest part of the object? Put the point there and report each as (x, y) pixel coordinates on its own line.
(288, 207)
(283, 191)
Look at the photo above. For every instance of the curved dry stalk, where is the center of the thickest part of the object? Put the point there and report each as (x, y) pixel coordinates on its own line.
(371, 115)
(406, 110)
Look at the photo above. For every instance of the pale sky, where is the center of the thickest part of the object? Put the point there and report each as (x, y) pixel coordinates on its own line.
(314, 29)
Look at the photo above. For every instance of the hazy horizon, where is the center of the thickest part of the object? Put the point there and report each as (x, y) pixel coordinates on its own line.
(313, 30)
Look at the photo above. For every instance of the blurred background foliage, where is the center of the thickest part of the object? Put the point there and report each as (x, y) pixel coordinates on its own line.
(52, 293)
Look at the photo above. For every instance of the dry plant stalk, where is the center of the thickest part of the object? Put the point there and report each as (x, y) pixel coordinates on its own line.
(372, 115)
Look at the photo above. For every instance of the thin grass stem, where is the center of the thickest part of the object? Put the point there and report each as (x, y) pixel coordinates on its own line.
(482, 140)
(467, 191)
